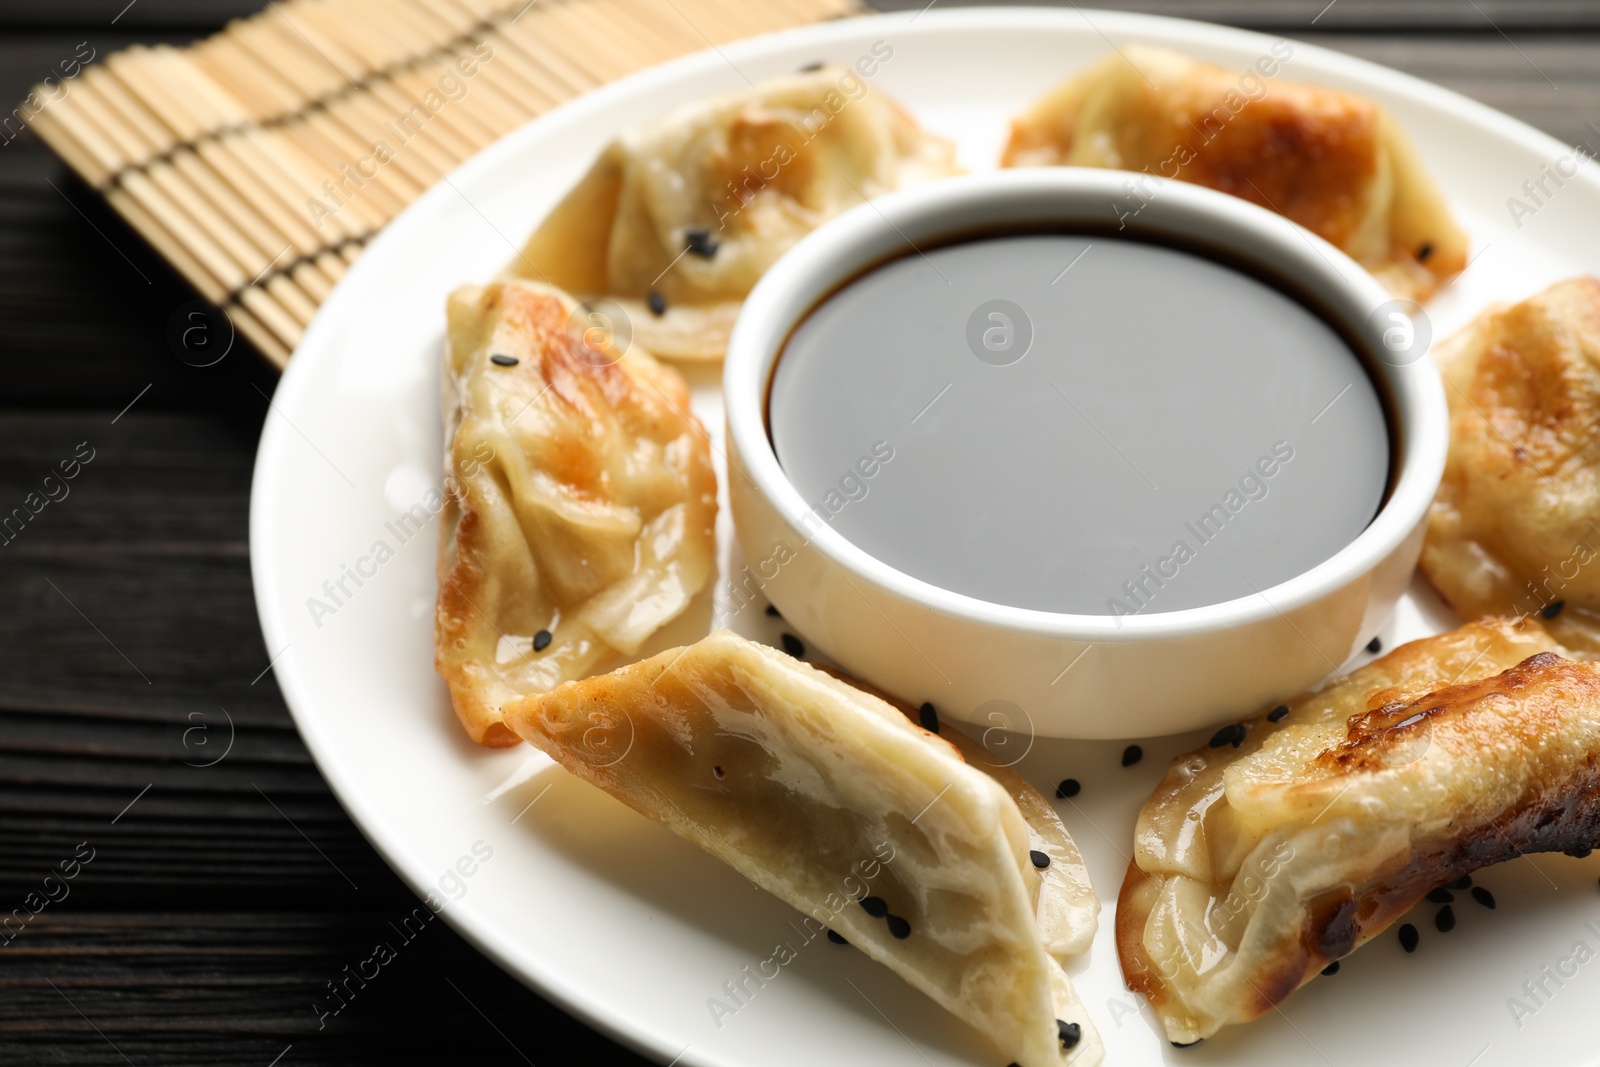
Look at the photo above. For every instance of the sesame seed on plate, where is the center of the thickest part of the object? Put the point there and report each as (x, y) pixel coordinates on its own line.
(1552, 609)
(1483, 896)
(928, 716)
(1409, 938)
(899, 929)
(541, 640)
(1277, 714)
(1445, 921)
(793, 645)
(1040, 860)
(1331, 969)
(837, 938)
(1131, 755)
(503, 361)
(1232, 734)
(1069, 1033)
(876, 907)
(1067, 788)
(1375, 646)
(1441, 896)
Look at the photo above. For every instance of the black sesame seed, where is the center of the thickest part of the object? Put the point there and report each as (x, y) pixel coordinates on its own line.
(793, 646)
(772, 610)
(702, 243)
(657, 302)
(541, 640)
(1040, 860)
(1070, 1033)
(1579, 853)
(929, 717)
(1277, 714)
(1186, 1044)
(1409, 938)
(1552, 609)
(876, 907)
(1232, 734)
(718, 772)
(1441, 896)
(899, 929)
(1464, 882)
(1445, 921)
(1424, 252)
(503, 361)
(1375, 646)
(1068, 787)
(1331, 969)
(836, 938)
(1483, 896)
(1131, 755)
(812, 67)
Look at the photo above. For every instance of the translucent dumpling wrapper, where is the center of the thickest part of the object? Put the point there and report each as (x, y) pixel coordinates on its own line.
(1293, 838)
(1516, 523)
(1066, 904)
(832, 800)
(678, 218)
(579, 507)
(1335, 162)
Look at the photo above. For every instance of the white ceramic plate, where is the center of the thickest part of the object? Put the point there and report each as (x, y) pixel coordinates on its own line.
(635, 930)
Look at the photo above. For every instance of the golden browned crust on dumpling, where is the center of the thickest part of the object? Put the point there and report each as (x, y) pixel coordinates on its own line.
(580, 502)
(753, 171)
(1064, 900)
(1336, 163)
(1516, 524)
(1255, 866)
(831, 800)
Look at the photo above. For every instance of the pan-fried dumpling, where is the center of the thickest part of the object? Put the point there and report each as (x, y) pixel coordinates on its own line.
(678, 218)
(1295, 837)
(1336, 163)
(834, 802)
(1066, 905)
(579, 503)
(1514, 526)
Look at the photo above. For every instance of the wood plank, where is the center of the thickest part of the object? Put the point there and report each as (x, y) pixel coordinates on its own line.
(1298, 17)
(237, 987)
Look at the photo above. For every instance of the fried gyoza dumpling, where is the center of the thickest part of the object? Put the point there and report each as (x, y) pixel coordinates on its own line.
(1066, 906)
(580, 501)
(1516, 524)
(1296, 837)
(677, 219)
(833, 801)
(1336, 163)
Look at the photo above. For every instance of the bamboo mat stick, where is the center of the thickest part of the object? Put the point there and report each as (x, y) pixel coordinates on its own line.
(260, 161)
(240, 230)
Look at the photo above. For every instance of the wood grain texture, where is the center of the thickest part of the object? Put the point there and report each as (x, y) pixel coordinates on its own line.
(220, 904)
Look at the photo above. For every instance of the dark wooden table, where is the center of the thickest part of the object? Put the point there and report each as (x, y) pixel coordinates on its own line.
(211, 914)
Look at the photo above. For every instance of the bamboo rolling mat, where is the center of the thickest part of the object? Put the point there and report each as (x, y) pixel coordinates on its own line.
(261, 160)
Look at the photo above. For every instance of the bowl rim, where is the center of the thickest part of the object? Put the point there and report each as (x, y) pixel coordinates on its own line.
(843, 246)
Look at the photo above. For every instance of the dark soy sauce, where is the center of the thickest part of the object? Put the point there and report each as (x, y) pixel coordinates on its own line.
(1080, 423)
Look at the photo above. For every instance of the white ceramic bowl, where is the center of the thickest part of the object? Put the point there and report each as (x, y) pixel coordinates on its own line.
(1054, 674)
